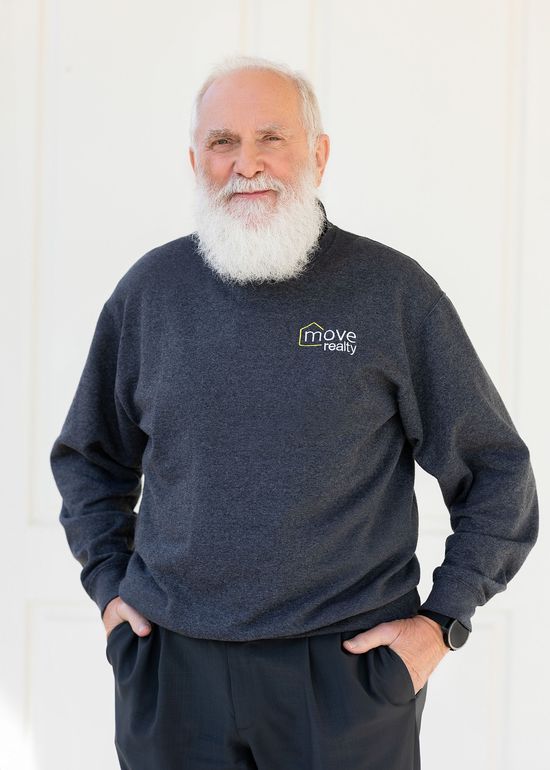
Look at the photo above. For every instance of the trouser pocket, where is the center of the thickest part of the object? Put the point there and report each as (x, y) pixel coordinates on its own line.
(114, 634)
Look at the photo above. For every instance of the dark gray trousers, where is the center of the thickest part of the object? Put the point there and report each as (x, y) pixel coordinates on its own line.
(183, 703)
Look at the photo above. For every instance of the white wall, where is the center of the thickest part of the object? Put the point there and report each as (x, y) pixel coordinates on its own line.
(439, 119)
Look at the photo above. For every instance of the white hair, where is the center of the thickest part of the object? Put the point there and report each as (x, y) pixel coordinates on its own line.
(310, 113)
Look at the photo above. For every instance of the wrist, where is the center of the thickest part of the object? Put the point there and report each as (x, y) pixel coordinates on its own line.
(455, 633)
(436, 627)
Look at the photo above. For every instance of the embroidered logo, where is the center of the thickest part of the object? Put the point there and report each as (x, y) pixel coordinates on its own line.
(315, 336)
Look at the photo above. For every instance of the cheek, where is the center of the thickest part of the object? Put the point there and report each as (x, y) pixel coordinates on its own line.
(288, 167)
(283, 169)
(218, 169)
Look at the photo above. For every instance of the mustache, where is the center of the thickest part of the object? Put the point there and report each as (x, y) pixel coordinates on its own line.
(238, 185)
(250, 186)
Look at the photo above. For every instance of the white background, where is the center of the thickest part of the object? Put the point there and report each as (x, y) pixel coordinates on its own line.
(439, 118)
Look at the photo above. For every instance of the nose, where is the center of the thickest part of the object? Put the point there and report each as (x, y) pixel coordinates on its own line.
(249, 160)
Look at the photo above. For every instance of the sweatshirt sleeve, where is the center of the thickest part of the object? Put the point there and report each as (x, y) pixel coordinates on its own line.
(96, 464)
(462, 434)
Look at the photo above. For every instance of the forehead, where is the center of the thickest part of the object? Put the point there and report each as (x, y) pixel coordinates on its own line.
(250, 100)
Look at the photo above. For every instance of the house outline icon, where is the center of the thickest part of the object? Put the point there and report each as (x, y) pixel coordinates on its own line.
(309, 344)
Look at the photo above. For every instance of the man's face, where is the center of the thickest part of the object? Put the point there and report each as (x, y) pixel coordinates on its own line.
(249, 123)
(256, 177)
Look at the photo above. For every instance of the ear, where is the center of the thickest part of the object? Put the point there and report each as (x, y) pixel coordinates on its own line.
(192, 158)
(322, 153)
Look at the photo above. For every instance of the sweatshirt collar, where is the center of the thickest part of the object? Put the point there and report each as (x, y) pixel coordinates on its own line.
(325, 220)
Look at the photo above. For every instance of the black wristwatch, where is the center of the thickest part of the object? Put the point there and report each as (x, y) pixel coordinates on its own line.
(455, 633)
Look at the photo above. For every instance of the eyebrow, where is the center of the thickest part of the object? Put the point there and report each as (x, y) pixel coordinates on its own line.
(215, 133)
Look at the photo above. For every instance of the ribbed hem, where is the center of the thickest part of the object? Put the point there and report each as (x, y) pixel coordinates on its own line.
(105, 585)
(453, 598)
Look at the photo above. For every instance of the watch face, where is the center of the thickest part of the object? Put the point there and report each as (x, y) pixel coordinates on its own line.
(458, 635)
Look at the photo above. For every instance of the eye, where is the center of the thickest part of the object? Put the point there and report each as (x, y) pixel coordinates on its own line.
(219, 140)
(277, 138)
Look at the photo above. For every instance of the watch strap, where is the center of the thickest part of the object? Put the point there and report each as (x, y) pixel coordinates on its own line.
(443, 620)
(455, 633)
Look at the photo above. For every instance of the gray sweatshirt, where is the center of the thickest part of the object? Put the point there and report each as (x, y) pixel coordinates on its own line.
(273, 431)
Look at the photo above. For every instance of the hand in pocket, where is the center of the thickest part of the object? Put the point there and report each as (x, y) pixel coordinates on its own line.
(118, 611)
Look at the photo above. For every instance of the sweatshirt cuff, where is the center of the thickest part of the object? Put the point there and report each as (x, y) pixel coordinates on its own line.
(453, 598)
(105, 585)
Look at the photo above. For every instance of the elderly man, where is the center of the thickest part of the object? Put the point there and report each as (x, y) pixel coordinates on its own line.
(275, 378)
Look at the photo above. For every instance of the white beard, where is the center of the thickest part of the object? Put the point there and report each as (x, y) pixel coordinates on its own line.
(260, 239)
